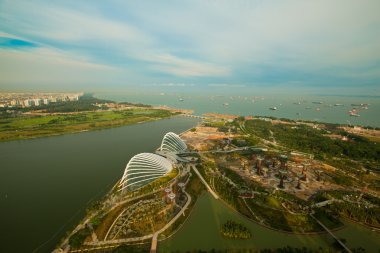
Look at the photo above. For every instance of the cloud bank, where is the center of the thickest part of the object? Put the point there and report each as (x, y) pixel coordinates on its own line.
(119, 43)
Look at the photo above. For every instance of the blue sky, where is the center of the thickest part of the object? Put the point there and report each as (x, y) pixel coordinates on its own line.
(114, 44)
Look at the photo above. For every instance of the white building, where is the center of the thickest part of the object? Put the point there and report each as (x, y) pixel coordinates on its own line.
(26, 103)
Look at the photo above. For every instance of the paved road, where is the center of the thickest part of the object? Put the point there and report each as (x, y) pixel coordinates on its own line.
(153, 247)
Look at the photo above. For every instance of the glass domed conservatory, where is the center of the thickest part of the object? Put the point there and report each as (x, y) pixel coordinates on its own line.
(143, 169)
(172, 143)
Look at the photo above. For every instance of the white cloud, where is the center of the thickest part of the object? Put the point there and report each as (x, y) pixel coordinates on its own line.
(184, 67)
(64, 25)
(49, 66)
(198, 38)
(227, 85)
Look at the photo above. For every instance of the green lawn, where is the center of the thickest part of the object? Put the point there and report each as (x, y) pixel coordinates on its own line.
(30, 126)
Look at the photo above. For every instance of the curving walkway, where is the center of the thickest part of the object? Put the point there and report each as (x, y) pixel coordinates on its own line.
(106, 244)
(142, 238)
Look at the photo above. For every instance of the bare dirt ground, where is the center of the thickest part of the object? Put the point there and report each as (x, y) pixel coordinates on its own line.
(202, 138)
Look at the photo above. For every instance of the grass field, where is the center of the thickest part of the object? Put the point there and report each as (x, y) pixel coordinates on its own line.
(30, 126)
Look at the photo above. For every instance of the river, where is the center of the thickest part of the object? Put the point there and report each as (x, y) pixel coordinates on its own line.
(46, 183)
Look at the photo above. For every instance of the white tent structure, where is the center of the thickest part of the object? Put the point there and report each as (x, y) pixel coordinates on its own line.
(143, 169)
(172, 143)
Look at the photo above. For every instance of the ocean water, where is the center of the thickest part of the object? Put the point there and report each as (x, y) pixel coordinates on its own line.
(323, 108)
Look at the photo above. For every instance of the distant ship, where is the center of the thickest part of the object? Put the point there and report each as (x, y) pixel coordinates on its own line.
(297, 103)
(318, 103)
(353, 113)
(226, 104)
(338, 104)
(273, 108)
(181, 99)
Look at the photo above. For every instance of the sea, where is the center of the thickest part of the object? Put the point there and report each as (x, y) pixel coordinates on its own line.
(350, 110)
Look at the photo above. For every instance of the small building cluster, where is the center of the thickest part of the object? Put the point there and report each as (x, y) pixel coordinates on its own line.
(35, 99)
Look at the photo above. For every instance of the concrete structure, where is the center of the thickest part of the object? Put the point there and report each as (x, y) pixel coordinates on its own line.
(143, 169)
(258, 165)
(283, 160)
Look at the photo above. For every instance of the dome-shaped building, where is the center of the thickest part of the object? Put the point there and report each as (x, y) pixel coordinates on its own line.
(143, 169)
(172, 143)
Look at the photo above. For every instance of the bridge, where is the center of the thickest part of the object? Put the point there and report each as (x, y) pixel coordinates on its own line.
(251, 148)
(193, 116)
(332, 235)
(204, 182)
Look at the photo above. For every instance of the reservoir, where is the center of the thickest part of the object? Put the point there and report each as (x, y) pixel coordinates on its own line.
(46, 183)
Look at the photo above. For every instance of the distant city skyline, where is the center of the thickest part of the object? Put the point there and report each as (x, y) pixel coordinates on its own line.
(190, 45)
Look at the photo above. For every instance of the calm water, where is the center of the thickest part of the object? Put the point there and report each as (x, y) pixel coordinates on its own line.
(201, 231)
(249, 103)
(46, 183)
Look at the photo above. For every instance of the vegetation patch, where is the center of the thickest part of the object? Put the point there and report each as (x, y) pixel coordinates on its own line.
(234, 230)
(77, 239)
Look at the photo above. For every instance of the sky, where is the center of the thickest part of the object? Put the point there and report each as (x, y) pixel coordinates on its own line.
(332, 44)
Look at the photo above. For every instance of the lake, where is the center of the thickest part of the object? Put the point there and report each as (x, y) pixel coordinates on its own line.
(201, 231)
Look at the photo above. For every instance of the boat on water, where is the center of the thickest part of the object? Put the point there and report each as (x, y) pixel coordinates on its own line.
(353, 113)
(318, 103)
(181, 99)
(226, 104)
(273, 108)
(338, 105)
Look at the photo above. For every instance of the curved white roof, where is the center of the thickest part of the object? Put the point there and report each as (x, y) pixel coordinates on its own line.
(172, 143)
(143, 169)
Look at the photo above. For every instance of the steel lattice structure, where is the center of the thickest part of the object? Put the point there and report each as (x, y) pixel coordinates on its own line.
(143, 169)
(172, 143)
